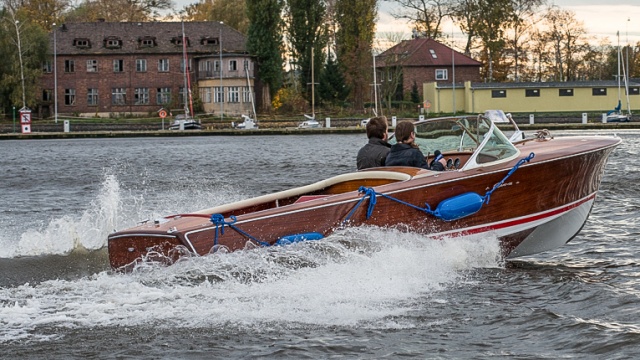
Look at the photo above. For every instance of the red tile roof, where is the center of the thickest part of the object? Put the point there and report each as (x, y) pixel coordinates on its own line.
(425, 52)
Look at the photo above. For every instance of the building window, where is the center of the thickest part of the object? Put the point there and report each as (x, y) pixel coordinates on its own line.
(246, 94)
(69, 97)
(442, 74)
(92, 65)
(565, 92)
(218, 94)
(233, 65)
(389, 74)
(532, 92)
(178, 41)
(205, 95)
(147, 42)
(163, 65)
(92, 97)
(141, 96)
(69, 66)
(216, 66)
(209, 41)
(118, 65)
(82, 43)
(47, 95)
(498, 93)
(634, 91)
(234, 94)
(163, 96)
(118, 96)
(141, 65)
(599, 91)
(247, 65)
(47, 67)
(433, 53)
(112, 43)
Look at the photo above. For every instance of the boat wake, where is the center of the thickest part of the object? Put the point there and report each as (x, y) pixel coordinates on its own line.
(364, 277)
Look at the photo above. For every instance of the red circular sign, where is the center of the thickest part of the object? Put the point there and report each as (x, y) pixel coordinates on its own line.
(162, 113)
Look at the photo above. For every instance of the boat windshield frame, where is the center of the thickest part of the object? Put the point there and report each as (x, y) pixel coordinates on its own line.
(477, 136)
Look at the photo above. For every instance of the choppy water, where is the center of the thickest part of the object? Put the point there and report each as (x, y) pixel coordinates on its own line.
(361, 293)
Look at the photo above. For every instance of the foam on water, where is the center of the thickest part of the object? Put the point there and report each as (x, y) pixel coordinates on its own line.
(365, 277)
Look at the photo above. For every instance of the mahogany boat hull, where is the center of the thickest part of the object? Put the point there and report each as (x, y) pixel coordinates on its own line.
(541, 206)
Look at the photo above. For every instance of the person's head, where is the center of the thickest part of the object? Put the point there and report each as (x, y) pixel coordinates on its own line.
(377, 127)
(405, 132)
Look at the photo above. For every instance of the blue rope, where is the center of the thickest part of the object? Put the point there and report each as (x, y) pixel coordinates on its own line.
(371, 194)
(219, 222)
(487, 196)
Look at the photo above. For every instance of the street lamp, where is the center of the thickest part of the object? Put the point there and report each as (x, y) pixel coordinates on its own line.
(55, 76)
(221, 83)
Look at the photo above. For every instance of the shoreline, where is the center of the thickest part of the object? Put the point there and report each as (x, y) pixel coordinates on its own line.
(279, 131)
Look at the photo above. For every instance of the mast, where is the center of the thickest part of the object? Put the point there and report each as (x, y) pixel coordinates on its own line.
(375, 88)
(253, 106)
(187, 83)
(313, 95)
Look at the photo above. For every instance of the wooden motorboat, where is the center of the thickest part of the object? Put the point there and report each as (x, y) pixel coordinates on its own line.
(533, 194)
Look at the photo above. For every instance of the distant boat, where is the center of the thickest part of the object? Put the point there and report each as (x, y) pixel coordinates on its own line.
(247, 124)
(310, 123)
(617, 115)
(185, 122)
(248, 121)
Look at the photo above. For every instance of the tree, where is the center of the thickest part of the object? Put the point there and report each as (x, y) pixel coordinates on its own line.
(523, 13)
(354, 40)
(45, 13)
(118, 10)
(494, 16)
(567, 36)
(425, 15)
(231, 12)
(306, 31)
(24, 46)
(332, 86)
(264, 40)
(415, 95)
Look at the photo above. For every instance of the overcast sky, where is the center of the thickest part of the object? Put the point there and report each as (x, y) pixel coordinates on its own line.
(601, 18)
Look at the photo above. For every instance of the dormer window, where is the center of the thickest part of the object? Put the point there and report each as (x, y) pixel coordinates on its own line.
(209, 41)
(112, 43)
(82, 43)
(433, 53)
(178, 41)
(147, 42)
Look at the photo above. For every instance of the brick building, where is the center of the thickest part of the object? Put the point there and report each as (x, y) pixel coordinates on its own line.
(105, 68)
(423, 60)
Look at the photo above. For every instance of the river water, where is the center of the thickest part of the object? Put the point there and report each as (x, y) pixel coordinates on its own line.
(366, 293)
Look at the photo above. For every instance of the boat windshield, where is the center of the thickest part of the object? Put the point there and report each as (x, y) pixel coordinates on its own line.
(477, 136)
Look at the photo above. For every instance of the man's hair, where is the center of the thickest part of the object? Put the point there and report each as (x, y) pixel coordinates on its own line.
(377, 127)
(404, 130)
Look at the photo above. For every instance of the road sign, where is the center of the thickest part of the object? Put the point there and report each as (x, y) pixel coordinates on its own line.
(162, 113)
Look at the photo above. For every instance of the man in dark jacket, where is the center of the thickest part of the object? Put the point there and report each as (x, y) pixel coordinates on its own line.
(374, 153)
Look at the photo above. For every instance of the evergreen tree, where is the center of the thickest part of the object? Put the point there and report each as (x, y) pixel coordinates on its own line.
(332, 87)
(264, 40)
(415, 95)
